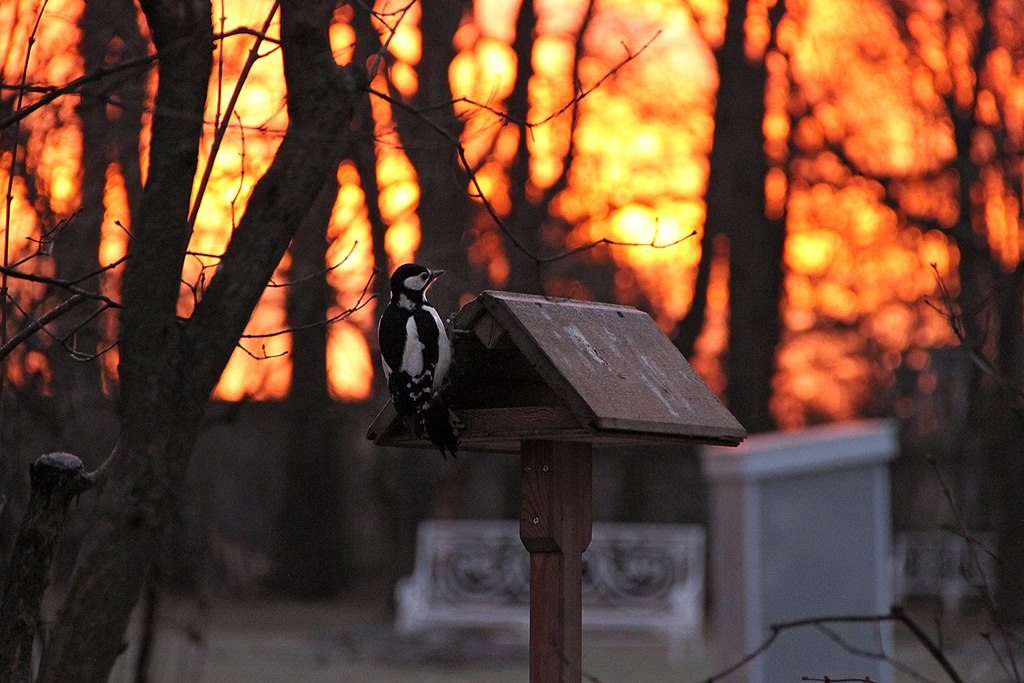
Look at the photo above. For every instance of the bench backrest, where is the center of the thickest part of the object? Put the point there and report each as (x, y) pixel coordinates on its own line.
(630, 566)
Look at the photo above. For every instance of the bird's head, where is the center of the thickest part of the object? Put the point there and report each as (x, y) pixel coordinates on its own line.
(411, 280)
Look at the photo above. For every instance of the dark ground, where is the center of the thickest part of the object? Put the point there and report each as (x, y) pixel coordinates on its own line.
(284, 642)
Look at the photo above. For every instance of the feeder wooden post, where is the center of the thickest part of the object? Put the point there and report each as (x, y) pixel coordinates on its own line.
(555, 523)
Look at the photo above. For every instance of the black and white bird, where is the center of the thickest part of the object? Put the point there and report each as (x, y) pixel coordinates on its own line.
(416, 355)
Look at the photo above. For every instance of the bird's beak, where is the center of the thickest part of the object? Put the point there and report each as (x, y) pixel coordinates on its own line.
(434, 274)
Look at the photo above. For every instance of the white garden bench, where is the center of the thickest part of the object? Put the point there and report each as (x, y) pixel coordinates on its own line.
(636, 577)
(942, 564)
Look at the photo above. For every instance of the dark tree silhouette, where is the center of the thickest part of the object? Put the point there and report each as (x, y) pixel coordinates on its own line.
(735, 201)
(169, 366)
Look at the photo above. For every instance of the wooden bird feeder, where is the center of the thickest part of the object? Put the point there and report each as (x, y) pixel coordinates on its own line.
(549, 379)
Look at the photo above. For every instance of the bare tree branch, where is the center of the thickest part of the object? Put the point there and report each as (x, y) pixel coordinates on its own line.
(72, 87)
(321, 272)
(975, 347)
(897, 614)
(53, 92)
(39, 323)
(579, 95)
(363, 301)
(66, 285)
(422, 114)
(263, 353)
(392, 29)
(1009, 662)
(254, 54)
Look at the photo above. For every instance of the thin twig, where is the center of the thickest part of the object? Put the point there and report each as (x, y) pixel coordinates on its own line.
(264, 355)
(973, 347)
(241, 171)
(99, 271)
(392, 30)
(616, 243)
(63, 341)
(897, 614)
(44, 243)
(1009, 666)
(72, 348)
(52, 92)
(246, 31)
(360, 303)
(319, 273)
(478, 192)
(578, 95)
(204, 254)
(9, 202)
(879, 654)
(901, 615)
(254, 54)
(493, 213)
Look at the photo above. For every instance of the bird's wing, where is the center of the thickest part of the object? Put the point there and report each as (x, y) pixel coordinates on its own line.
(444, 351)
(389, 338)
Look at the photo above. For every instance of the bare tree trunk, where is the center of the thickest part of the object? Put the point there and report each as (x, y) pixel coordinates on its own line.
(363, 154)
(309, 561)
(444, 205)
(1009, 470)
(168, 368)
(524, 217)
(527, 216)
(736, 207)
(690, 326)
(86, 419)
(150, 460)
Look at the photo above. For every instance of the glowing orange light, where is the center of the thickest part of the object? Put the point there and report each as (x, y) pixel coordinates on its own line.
(405, 43)
(116, 217)
(775, 188)
(494, 186)
(349, 366)
(497, 65)
(263, 370)
(552, 56)
(710, 345)
(403, 234)
(23, 216)
(343, 39)
(404, 78)
(809, 252)
(841, 72)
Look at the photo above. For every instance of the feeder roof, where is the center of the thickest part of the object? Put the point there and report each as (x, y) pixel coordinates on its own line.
(531, 367)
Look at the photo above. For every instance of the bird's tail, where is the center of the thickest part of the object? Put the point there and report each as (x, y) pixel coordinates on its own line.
(442, 427)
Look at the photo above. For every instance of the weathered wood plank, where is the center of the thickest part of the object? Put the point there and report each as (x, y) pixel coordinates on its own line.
(612, 366)
(488, 331)
(523, 423)
(485, 426)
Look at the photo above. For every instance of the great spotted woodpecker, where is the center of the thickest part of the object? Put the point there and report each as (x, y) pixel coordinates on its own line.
(416, 355)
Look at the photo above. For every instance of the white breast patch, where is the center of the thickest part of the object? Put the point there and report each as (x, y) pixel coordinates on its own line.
(412, 355)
